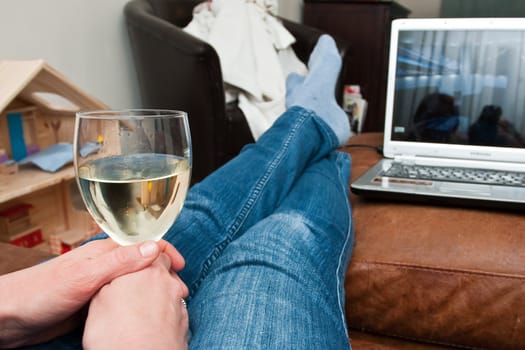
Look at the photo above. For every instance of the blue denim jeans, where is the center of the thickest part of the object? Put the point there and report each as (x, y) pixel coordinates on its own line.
(267, 239)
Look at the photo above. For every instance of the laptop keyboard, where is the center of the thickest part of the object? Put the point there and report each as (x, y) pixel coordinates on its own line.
(480, 176)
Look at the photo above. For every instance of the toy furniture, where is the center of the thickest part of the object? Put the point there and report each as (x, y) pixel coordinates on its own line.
(37, 111)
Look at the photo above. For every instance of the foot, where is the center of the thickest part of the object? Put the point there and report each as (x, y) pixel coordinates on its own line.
(316, 90)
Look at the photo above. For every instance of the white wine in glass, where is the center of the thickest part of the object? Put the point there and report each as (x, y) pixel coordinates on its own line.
(133, 168)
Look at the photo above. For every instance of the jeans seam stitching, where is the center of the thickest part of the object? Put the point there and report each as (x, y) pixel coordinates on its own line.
(261, 183)
(252, 198)
(340, 282)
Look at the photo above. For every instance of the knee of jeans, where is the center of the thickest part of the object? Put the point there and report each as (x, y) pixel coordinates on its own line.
(294, 232)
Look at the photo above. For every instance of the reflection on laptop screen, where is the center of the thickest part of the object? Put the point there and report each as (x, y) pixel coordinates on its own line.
(460, 87)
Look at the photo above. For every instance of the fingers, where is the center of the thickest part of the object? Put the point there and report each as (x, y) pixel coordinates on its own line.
(122, 260)
(184, 291)
(104, 260)
(177, 261)
(146, 308)
(99, 247)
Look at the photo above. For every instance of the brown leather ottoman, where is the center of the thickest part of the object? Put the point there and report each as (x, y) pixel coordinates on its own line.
(443, 275)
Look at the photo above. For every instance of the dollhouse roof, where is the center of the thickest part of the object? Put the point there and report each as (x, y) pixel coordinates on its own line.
(36, 83)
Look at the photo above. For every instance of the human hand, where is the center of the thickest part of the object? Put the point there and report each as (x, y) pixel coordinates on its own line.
(316, 90)
(140, 310)
(43, 301)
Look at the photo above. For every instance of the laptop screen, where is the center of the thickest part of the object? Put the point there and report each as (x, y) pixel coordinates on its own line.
(463, 86)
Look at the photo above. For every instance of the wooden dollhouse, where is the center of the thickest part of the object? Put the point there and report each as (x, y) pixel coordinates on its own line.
(37, 109)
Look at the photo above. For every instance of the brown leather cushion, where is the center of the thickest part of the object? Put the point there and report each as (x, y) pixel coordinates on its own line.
(368, 341)
(442, 274)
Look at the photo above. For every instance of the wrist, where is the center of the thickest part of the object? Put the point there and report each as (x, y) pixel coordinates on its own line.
(11, 333)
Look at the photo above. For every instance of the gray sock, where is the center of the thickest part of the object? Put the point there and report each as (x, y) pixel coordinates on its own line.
(315, 91)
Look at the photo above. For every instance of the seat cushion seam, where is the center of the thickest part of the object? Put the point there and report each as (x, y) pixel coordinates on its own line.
(441, 270)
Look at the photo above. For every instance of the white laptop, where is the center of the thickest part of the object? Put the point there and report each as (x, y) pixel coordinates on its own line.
(455, 113)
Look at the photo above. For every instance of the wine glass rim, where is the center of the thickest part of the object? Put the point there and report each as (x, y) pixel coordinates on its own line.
(132, 113)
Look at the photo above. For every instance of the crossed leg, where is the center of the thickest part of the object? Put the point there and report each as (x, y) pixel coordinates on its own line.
(280, 284)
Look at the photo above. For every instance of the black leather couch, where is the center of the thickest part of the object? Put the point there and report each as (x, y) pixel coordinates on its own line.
(179, 71)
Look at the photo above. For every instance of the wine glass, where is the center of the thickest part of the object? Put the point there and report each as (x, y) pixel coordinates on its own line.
(133, 168)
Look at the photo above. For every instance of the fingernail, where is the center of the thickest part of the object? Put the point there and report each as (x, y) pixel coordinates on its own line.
(148, 248)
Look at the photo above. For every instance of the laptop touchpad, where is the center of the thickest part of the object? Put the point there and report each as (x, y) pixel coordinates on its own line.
(462, 188)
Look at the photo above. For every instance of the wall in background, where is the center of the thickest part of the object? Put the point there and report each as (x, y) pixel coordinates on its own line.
(84, 40)
(483, 8)
(88, 43)
(292, 9)
(422, 9)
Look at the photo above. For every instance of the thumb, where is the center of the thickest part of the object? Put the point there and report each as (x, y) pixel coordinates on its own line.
(123, 260)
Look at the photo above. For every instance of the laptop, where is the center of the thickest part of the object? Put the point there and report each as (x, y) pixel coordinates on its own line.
(455, 114)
